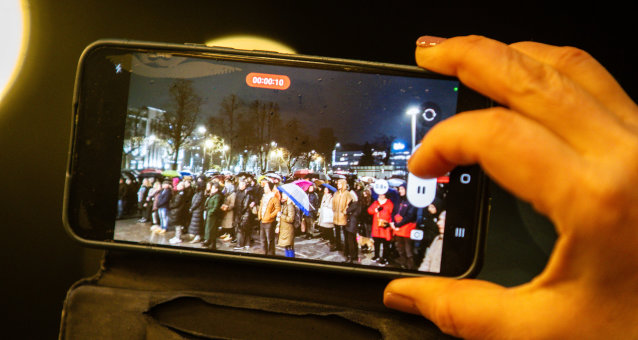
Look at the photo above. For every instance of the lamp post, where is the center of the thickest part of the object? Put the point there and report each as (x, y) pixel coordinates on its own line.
(224, 149)
(207, 145)
(334, 153)
(412, 112)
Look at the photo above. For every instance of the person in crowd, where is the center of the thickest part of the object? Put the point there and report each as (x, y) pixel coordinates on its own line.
(350, 246)
(242, 215)
(286, 226)
(213, 215)
(365, 221)
(196, 211)
(427, 223)
(189, 191)
(130, 203)
(229, 186)
(432, 260)
(163, 202)
(150, 208)
(122, 195)
(403, 222)
(340, 202)
(267, 213)
(309, 220)
(142, 193)
(177, 212)
(381, 211)
(228, 209)
(325, 221)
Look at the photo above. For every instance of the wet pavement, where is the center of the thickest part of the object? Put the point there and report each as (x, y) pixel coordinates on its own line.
(315, 248)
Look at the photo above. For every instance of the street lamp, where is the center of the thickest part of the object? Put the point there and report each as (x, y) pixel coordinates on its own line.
(224, 149)
(208, 144)
(412, 112)
(334, 154)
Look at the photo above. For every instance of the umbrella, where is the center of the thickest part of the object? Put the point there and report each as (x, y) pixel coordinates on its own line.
(302, 173)
(128, 174)
(303, 184)
(150, 175)
(396, 182)
(297, 195)
(330, 187)
(318, 175)
(273, 175)
(367, 179)
(186, 173)
(171, 173)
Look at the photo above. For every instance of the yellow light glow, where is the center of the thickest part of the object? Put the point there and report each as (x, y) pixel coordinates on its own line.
(251, 42)
(14, 34)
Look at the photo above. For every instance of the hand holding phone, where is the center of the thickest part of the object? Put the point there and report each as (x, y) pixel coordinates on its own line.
(164, 111)
(563, 112)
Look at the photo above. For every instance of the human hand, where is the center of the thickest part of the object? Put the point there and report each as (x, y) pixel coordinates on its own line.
(566, 141)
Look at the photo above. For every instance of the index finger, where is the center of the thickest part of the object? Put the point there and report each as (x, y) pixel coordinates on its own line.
(525, 85)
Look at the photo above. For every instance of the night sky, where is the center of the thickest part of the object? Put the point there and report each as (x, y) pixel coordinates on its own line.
(359, 107)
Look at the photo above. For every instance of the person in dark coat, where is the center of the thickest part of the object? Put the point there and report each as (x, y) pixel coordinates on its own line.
(177, 212)
(350, 247)
(309, 220)
(196, 211)
(163, 201)
(122, 195)
(189, 191)
(214, 216)
(403, 222)
(242, 215)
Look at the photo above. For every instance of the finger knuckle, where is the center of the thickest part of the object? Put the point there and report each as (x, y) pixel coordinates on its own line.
(568, 56)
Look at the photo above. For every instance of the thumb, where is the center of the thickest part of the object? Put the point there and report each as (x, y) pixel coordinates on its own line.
(462, 308)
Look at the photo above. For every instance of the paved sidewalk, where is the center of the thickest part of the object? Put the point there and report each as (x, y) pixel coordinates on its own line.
(315, 248)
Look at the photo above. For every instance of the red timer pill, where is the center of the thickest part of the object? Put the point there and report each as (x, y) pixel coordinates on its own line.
(268, 81)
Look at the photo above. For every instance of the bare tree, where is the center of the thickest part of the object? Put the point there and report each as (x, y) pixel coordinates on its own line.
(178, 123)
(226, 124)
(296, 144)
(265, 124)
(134, 134)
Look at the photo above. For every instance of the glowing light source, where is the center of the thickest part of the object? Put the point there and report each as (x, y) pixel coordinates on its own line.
(14, 33)
(251, 42)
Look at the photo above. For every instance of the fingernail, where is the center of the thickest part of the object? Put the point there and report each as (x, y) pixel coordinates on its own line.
(400, 302)
(429, 41)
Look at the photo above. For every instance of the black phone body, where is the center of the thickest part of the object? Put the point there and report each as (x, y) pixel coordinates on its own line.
(183, 113)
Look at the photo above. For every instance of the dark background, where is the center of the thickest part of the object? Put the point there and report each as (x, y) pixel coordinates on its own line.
(40, 262)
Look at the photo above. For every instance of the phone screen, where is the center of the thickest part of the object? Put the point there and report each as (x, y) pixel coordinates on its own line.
(274, 159)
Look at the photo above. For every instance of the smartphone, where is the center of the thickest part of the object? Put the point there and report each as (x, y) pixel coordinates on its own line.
(266, 157)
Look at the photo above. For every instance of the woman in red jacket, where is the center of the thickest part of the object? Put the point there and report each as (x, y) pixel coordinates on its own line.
(381, 211)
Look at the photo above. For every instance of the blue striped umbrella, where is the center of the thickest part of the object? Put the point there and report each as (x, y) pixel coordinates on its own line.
(297, 195)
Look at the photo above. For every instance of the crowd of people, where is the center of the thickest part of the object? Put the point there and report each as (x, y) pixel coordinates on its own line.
(347, 213)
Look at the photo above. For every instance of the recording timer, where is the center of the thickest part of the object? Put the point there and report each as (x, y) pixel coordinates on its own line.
(268, 81)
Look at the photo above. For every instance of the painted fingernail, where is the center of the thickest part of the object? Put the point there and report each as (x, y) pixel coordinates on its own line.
(400, 302)
(429, 41)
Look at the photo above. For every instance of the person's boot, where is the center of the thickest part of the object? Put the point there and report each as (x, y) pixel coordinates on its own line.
(178, 236)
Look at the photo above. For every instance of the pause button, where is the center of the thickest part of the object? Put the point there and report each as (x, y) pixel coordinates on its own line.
(459, 232)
